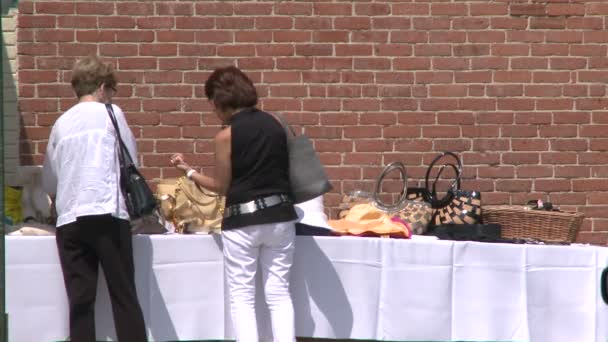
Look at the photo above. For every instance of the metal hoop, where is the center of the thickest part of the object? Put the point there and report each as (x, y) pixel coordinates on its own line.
(397, 165)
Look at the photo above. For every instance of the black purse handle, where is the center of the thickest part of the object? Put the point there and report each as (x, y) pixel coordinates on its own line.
(123, 151)
(440, 203)
(456, 181)
(397, 165)
(124, 156)
(604, 285)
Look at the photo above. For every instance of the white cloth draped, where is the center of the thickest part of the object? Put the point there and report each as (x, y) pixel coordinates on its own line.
(360, 288)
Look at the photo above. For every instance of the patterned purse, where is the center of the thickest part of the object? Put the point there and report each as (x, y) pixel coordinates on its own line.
(457, 206)
(417, 214)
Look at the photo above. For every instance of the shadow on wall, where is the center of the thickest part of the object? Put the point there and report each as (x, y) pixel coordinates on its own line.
(6, 5)
(8, 96)
(10, 116)
(2, 152)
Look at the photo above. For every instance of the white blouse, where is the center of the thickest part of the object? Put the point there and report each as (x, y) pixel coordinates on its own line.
(81, 166)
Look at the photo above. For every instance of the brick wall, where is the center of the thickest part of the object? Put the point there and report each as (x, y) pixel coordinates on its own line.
(518, 88)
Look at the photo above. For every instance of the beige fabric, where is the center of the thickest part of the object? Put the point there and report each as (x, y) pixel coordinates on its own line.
(32, 229)
(191, 208)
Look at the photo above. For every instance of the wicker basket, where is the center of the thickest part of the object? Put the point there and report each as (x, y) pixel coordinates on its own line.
(520, 223)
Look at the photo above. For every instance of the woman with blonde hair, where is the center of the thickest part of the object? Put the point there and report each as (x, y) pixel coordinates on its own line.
(81, 172)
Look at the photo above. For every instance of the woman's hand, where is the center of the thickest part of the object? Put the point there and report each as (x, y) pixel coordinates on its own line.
(178, 161)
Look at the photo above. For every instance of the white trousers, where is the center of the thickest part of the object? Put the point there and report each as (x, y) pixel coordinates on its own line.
(272, 245)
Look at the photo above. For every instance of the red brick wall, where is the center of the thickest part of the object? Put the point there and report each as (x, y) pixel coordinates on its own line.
(518, 88)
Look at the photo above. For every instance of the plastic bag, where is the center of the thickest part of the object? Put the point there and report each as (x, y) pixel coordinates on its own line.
(13, 212)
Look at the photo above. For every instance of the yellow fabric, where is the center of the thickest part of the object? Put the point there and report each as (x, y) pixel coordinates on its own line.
(363, 218)
(13, 212)
(363, 213)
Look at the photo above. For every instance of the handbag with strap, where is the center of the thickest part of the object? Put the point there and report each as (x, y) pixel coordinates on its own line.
(191, 208)
(457, 206)
(139, 198)
(416, 213)
(307, 175)
(357, 197)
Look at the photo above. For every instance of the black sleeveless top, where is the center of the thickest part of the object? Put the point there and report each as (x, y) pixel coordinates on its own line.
(260, 167)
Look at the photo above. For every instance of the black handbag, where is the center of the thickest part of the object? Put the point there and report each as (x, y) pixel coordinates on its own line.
(139, 197)
(307, 175)
(467, 232)
(457, 206)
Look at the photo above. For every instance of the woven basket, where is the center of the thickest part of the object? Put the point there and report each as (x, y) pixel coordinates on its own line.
(520, 223)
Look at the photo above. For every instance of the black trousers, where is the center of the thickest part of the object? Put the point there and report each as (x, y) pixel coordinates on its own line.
(83, 245)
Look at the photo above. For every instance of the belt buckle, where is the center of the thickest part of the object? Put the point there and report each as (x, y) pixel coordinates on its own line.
(250, 207)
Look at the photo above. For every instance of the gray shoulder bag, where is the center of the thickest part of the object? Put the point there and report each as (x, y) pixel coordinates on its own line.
(306, 172)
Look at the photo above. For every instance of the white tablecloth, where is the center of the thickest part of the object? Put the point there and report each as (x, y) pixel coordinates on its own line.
(360, 288)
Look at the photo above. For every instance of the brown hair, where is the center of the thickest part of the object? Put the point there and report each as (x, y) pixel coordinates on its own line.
(230, 88)
(89, 73)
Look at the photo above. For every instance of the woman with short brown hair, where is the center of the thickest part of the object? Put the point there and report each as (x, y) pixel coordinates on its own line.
(251, 169)
(81, 172)
(89, 73)
(229, 89)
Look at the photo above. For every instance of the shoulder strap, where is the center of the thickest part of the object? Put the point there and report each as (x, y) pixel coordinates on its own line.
(124, 156)
(285, 125)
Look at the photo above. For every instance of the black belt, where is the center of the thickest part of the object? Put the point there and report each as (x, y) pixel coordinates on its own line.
(255, 205)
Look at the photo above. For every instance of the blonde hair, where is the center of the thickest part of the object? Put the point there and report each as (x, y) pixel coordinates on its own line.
(89, 73)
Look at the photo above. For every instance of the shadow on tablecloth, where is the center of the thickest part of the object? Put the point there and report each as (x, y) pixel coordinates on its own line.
(316, 286)
(147, 291)
(161, 327)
